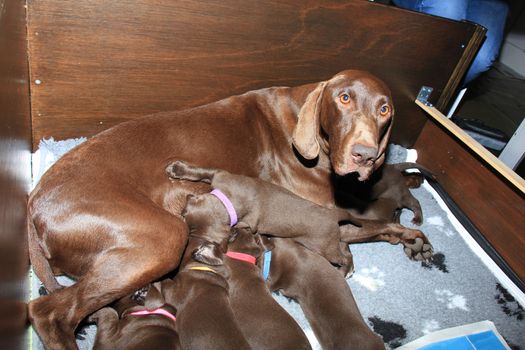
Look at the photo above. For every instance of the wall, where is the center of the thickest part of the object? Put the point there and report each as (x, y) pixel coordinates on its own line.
(15, 145)
(96, 63)
(513, 49)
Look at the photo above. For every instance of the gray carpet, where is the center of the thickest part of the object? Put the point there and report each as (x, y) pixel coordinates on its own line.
(401, 300)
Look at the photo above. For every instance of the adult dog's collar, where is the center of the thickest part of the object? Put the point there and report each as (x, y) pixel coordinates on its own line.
(242, 257)
(158, 311)
(228, 204)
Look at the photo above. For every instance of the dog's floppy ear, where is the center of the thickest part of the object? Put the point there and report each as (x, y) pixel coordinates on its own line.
(383, 145)
(304, 136)
(208, 253)
(154, 298)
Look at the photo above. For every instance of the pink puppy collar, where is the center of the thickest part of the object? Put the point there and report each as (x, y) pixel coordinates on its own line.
(242, 257)
(228, 204)
(158, 311)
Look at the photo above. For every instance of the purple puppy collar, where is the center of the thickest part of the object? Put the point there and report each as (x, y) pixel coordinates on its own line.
(228, 204)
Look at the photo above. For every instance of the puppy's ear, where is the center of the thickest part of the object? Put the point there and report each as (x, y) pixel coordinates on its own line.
(208, 253)
(239, 228)
(304, 136)
(154, 298)
(233, 235)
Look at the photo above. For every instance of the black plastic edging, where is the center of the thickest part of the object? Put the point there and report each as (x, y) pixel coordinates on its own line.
(477, 235)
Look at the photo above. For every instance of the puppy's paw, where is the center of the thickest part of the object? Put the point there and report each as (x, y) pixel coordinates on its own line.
(347, 270)
(140, 295)
(417, 220)
(180, 170)
(418, 250)
(177, 170)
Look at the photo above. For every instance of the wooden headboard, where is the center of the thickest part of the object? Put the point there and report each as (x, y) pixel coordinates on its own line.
(97, 63)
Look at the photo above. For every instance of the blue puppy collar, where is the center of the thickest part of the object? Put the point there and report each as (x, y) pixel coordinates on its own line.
(266, 264)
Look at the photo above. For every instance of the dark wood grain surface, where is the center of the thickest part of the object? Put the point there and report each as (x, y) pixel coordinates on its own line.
(99, 63)
(492, 204)
(15, 172)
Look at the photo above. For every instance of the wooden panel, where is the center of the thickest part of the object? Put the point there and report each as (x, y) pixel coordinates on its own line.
(15, 138)
(490, 202)
(100, 63)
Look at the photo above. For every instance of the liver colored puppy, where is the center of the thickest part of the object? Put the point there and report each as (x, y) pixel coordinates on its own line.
(326, 300)
(387, 192)
(271, 209)
(108, 206)
(205, 319)
(199, 292)
(264, 323)
(135, 325)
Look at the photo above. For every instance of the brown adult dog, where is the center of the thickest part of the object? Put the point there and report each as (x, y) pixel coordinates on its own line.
(271, 209)
(326, 300)
(265, 324)
(107, 209)
(119, 329)
(388, 191)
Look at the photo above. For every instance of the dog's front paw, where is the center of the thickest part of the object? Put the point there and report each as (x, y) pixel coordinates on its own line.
(418, 250)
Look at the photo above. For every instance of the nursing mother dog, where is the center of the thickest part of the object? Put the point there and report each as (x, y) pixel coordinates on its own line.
(107, 215)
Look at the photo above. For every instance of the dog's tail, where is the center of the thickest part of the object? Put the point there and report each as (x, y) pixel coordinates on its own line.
(411, 165)
(40, 264)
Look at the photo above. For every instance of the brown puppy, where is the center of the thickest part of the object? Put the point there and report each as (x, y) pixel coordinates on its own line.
(271, 209)
(265, 324)
(134, 325)
(387, 193)
(326, 299)
(205, 319)
(200, 292)
(107, 205)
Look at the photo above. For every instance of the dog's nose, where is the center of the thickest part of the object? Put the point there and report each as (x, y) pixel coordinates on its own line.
(363, 154)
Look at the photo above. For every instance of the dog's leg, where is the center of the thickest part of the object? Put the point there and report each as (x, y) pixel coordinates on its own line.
(114, 273)
(413, 204)
(182, 171)
(417, 245)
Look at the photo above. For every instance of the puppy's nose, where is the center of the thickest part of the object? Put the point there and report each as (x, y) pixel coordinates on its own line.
(363, 154)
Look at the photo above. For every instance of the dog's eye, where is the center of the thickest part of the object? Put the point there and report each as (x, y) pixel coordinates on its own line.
(345, 98)
(384, 111)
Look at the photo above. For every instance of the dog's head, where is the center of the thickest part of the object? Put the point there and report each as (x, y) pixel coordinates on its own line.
(349, 117)
(208, 219)
(204, 210)
(244, 240)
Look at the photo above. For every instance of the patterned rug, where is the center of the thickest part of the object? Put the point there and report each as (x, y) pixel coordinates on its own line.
(400, 299)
